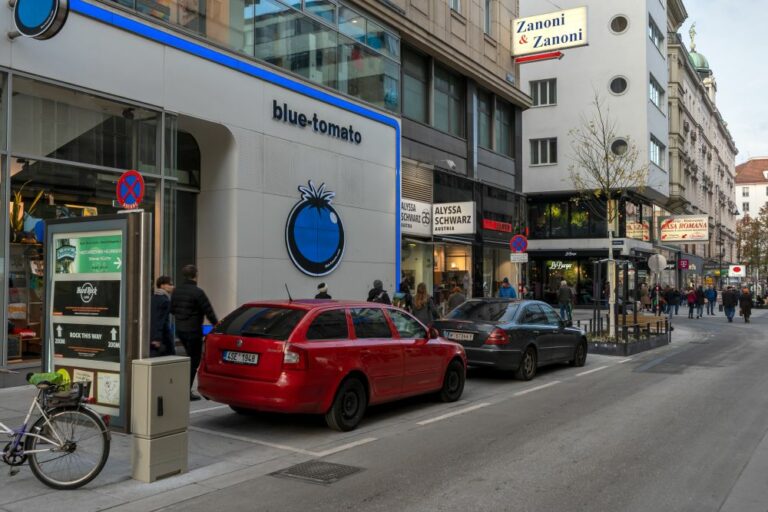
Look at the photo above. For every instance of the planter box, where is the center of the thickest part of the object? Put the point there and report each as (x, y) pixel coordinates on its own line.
(629, 348)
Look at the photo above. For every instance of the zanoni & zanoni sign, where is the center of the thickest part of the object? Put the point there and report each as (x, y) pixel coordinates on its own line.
(549, 32)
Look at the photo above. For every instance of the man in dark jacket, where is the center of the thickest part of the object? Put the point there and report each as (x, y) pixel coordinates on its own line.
(730, 301)
(189, 305)
(711, 295)
(161, 338)
(700, 299)
(322, 292)
(745, 304)
(378, 293)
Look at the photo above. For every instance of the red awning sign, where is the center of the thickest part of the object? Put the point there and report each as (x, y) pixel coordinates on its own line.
(130, 190)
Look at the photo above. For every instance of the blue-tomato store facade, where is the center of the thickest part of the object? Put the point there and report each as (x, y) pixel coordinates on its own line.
(265, 170)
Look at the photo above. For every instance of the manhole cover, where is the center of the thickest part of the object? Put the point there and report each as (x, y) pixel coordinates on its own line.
(317, 472)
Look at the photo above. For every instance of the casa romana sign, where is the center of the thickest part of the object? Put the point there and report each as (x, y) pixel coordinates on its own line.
(684, 228)
(549, 32)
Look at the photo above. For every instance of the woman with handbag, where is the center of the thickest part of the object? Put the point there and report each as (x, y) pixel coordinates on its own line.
(423, 307)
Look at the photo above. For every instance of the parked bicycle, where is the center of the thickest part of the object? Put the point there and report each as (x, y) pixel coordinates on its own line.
(68, 444)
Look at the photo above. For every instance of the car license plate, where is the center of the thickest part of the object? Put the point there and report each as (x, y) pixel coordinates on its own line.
(240, 357)
(459, 336)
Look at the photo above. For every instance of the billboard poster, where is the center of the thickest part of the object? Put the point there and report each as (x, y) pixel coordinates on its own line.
(684, 228)
(549, 32)
(639, 230)
(89, 254)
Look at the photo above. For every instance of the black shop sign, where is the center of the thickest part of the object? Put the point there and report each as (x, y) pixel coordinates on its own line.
(87, 298)
(92, 342)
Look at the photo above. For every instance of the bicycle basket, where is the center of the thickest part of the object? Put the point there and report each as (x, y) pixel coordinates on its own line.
(68, 394)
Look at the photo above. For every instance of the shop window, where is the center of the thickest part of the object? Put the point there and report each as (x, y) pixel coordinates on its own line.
(449, 102)
(558, 214)
(504, 127)
(484, 111)
(415, 86)
(416, 264)
(65, 124)
(452, 270)
(579, 221)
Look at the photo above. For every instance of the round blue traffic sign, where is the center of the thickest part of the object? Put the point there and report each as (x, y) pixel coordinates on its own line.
(130, 190)
(518, 243)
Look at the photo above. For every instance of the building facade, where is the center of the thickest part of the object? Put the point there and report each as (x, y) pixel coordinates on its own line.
(751, 190)
(702, 155)
(625, 67)
(226, 109)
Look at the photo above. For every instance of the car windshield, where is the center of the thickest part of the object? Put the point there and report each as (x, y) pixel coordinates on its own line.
(477, 310)
(263, 322)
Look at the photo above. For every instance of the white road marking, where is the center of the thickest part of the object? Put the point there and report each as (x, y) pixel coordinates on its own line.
(347, 446)
(454, 413)
(196, 411)
(253, 441)
(531, 390)
(625, 360)
(591, 371)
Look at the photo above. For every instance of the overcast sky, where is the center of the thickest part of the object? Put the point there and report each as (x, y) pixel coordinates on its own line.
(731, 35)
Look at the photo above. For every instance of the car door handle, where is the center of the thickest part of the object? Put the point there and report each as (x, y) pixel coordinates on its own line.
(535, 332)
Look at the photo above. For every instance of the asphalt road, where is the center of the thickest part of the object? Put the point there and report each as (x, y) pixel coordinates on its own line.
(674, 429)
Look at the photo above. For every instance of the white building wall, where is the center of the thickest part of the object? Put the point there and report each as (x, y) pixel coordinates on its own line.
(758, 197)
(586, 70)
(251, 164)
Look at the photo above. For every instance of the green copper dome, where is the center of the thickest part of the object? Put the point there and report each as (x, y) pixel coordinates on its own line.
(699, 63)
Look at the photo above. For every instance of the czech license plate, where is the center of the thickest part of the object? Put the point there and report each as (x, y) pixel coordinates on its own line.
(459, 336)
(231, 356)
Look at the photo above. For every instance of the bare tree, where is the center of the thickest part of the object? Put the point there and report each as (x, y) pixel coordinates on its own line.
(605, 166)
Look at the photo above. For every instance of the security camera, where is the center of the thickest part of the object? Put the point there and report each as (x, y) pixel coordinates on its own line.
(450, 164)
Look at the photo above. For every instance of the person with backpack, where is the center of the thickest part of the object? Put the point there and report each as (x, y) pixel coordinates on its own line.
(423, 306)
(378, 293)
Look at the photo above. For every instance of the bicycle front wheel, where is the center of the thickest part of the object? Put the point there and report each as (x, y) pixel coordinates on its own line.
(72, 450)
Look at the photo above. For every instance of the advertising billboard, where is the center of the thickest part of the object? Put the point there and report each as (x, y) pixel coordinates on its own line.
(684, 228)
(548, 32)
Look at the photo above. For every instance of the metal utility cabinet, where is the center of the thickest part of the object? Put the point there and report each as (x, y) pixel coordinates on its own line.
(159, 417)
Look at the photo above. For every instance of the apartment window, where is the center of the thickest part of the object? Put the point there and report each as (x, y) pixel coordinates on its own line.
(657, 152)
(656, 35)
(744, 191)
(484, 117)
(449, 104)
(744, 207)
(656, 93)
(456, 5)
(488, 20)
(415, 86)
(504, 124)
(544, 92)
(543, 151)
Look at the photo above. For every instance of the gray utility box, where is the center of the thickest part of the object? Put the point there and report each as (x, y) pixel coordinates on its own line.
(159, 417)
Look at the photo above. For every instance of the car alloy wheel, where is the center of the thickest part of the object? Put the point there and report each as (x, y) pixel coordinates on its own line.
(453, 382)
(579, 354)
(527, 368)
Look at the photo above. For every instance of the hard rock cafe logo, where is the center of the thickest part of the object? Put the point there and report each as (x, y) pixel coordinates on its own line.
(86, 292)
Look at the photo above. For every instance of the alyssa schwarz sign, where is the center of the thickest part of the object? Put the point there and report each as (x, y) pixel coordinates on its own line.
(415, 218)
(314, 234)
(453, 218)
(549, 32)
(684, 228)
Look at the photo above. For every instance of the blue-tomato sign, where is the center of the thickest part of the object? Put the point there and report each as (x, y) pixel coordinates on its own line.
(518, 243)
(40, 19)
(314, 233)
(130, 190)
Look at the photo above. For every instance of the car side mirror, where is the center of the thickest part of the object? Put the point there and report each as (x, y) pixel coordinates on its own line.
(563, 324)
(433, 333)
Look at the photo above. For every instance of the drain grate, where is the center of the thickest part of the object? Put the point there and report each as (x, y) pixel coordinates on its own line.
(317, 472)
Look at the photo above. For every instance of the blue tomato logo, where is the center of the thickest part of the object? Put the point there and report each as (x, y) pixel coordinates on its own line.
(314, 233)
(40, 19)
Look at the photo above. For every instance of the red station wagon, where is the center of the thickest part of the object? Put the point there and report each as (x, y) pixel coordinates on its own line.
(326, 357)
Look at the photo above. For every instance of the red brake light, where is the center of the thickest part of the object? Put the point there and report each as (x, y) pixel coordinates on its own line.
(294, 358)
(498, 337)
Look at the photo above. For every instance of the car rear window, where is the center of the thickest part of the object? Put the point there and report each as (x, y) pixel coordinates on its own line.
(476, 310)
(263, 322)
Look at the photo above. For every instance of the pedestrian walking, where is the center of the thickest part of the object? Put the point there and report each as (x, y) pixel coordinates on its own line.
(456, 299)
(378, 293)
(404, 299)
(677, 297)
(745, 304)
(711, 295)
(700, 299)
(645, 297)
(190, 305)
(565, 300)
(506, 290)
(423, 306)
(730, 301)
(669, 298)
(322, 292)
(691, 299)
(161, 336)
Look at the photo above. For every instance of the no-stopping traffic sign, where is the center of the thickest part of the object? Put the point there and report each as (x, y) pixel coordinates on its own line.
(130, 190)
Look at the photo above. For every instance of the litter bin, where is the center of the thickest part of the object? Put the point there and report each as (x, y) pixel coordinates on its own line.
(159, 417)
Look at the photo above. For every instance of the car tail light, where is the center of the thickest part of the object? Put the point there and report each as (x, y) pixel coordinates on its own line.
(498, 337)
(294, 358)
